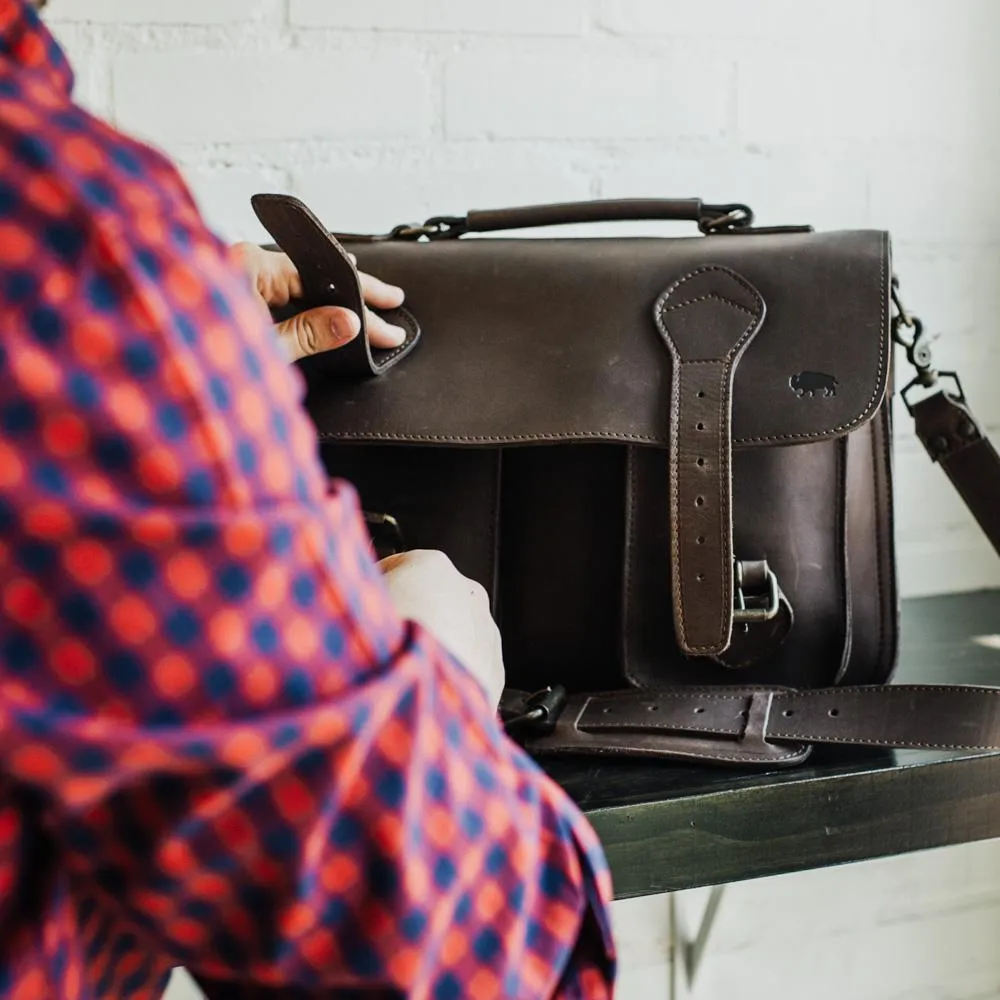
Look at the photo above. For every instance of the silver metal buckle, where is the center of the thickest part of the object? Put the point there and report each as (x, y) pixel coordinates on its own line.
(743, 611)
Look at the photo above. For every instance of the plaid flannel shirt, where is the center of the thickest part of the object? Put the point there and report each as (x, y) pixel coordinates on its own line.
(219, 746)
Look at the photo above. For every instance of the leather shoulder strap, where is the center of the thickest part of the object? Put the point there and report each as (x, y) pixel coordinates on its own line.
(760, 725)
(954, 440)
(946, 427)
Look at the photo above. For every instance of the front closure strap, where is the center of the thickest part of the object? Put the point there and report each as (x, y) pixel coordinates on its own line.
(707, 320)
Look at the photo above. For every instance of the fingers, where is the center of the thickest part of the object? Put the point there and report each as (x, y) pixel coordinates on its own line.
(318, 330)
(330, 327)
(277, 282)
(383, 334)
(272, 274)
(378, 294)
(277, 279)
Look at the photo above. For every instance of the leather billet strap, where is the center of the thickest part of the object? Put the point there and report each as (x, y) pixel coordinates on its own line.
(707, 319)
(771, 726)
(329, 277)
(946, 427)
(954, 440)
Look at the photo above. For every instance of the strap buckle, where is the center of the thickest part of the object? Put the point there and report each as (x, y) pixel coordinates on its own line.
(757, 604)
(918, 353)
(724, 218)
(441, 227)
(541, 711)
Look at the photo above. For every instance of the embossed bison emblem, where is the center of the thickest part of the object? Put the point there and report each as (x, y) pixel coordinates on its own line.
(810, 383)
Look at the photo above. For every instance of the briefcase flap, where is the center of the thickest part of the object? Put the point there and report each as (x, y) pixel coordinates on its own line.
(528, 341)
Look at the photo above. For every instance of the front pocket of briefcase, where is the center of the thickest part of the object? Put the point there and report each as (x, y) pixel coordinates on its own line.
(440, 498)
(560, 572)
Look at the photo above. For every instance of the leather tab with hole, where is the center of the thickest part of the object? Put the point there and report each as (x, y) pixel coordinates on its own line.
(329, 277)
(707, 319)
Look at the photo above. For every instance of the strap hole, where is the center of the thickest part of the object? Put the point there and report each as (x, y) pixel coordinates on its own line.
(788, 713)
(701, 539)
(652, 708)
(698, 711)
(701, 462)
(701, 577)
(699, 501)
(606, 711)
(700, 426)
(701, 394)
(834, 712)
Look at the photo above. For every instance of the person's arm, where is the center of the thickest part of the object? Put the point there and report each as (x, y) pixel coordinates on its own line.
(240, 748)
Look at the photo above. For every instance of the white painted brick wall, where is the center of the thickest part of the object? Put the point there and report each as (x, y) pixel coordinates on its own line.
(596, 90)
(857, 113)
(218, 97)
(513, 17)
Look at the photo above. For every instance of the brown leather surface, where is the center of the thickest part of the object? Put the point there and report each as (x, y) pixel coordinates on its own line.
(527, 341)
(733, 725)
(544, 340)
(330, 278)
(707, 319)
(532, 435)
(788, 505)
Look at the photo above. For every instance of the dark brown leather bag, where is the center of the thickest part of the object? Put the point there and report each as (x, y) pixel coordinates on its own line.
(667, 460)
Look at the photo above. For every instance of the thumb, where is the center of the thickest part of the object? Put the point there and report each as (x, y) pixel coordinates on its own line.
(318, 330)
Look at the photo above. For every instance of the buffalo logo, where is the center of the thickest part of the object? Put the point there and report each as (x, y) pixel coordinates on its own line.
(810, 383)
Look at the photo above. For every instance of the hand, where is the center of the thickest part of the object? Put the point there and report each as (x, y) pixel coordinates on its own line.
(426, 588)
(326, 328)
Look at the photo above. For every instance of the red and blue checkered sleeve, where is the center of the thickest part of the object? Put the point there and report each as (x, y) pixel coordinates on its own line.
(247, 761)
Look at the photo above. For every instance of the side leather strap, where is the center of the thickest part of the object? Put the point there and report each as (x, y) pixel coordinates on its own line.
(954, 440)
(329, 278)
(772, 726)
(707, 319)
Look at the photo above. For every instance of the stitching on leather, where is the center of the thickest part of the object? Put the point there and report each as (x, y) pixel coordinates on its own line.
(445, 438)
(890, 743)
(704, 269)
(414, 330)
(879, 568)
(593, 727)
(727, 361)
(563, 746)
(662, 694)
(677, 584)
(707, 298)
(882, 743)
(862, 691)
(847, 588)
(882, 362)
(702, 361)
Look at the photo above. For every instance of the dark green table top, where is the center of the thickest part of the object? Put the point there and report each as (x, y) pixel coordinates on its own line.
(666, 827)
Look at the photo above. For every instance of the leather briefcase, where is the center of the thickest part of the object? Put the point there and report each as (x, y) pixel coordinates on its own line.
(667, 460)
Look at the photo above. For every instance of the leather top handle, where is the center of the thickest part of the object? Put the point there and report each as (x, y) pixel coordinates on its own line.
(620, 210)
(733, 218)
